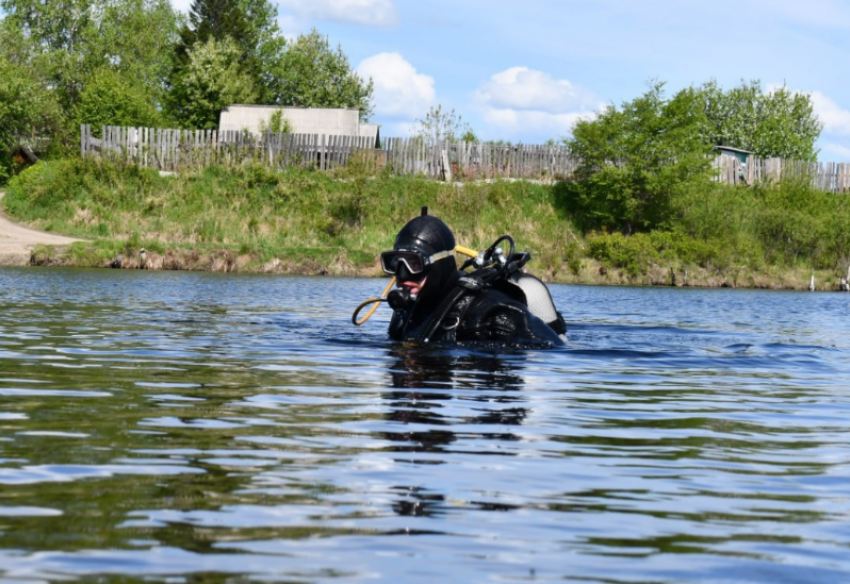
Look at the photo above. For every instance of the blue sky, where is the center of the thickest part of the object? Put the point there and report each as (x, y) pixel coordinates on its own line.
(525, 71)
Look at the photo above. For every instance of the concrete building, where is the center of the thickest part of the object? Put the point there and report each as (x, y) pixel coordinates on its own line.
(328, 121)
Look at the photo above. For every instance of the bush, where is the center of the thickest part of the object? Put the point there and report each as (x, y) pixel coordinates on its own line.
(635, 160)
(634, 254)
(39, 187)
(637, 253)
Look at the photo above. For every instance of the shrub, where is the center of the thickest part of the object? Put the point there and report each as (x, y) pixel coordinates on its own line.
(634, 254)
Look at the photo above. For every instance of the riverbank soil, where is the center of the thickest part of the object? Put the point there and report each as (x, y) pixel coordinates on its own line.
(17, 242)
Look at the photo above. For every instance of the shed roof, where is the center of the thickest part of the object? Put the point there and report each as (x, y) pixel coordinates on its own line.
(733, 149)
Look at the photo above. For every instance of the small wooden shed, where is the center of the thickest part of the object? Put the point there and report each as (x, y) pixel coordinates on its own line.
(741, 155)
(733, 165)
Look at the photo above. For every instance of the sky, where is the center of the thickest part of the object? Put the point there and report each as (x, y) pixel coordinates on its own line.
(525, 70)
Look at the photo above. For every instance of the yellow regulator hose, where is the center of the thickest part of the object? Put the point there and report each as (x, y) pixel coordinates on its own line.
(466, 251)
(377, 301)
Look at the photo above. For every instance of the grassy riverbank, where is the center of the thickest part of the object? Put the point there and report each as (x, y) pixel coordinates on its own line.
(297, 221)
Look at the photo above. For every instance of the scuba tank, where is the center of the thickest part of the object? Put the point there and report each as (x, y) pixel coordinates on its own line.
(504, 272)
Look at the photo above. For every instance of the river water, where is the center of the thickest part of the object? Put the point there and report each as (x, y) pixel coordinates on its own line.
(180, 427)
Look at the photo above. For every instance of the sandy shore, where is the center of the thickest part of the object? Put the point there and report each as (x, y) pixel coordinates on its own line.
(17, 242)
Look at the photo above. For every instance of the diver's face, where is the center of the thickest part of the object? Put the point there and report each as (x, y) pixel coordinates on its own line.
(410, 268)
(414, 283)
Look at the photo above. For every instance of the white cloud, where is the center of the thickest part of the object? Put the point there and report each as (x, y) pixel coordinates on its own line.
(526, 89)
(400, 91)
(523, 99)
(835, 119)
(834, 152)
(364, 12)
(291, 27)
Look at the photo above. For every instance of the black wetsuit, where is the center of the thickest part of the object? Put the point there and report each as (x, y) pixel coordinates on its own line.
(467, 312)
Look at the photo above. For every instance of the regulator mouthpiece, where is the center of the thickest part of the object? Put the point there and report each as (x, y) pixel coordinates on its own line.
(400, 299)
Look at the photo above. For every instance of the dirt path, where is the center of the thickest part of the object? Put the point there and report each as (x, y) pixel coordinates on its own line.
(17, 242)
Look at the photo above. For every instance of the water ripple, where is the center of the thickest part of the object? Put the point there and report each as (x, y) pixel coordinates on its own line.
(174, 427)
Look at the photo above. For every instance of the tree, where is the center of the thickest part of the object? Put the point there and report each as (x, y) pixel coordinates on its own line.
(216, 19)
(67, 41)
(110, 98)
(57, 30)
(311, 74)
(252, 27)
(27, 111)
(211, 81)
(136, 38)
(444, 125)
(777, 123)
(636, 159)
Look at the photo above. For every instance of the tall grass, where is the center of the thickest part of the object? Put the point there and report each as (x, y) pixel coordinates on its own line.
(316, 219)
(294, 213)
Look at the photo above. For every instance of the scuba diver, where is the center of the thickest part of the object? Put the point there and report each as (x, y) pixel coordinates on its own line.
(435, 302)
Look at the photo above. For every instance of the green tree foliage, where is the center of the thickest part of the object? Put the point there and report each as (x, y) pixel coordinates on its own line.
(278, 124)
(777, 123)
(110, 98)
(28, 111)
(636, 159)
(250, 24)
(137, 37)
(57, 30)
(439, 124)
(217, 19)
(314, 75)
(211, 81)
(67, 41)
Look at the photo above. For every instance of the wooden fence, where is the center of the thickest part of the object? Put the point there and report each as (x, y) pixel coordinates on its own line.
(826, 176)
(175, 150)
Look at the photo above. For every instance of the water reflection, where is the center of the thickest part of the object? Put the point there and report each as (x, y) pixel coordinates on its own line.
(428, 384)
(425, 380)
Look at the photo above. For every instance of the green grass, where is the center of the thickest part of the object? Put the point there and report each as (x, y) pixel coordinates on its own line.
(317, 222)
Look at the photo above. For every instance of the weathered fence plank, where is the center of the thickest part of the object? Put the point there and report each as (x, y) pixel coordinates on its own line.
(175, 150)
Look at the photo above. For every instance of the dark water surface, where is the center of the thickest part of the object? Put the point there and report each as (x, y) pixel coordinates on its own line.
(175, 427)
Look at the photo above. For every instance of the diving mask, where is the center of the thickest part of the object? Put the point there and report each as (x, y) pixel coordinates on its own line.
(415, 261)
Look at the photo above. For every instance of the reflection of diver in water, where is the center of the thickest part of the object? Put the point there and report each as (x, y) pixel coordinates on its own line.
(423, 380)
(496, 305)
(428, 386)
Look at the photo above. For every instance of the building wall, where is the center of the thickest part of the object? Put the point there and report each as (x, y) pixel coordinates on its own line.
(329, 121)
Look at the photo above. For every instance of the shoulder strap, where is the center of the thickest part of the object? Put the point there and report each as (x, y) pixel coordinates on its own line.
(466, 284)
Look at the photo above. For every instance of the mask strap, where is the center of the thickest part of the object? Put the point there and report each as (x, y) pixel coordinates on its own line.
(441, 255)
